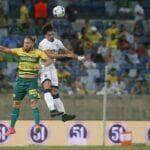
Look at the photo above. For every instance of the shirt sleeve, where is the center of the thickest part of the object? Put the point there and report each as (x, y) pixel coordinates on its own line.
(43, 46)
(42, 55)
(15, 51)
(40, 46)
(61, 45)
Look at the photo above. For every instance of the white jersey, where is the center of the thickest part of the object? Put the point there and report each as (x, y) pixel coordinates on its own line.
(138, 9)
(50, 72)
(54, 46)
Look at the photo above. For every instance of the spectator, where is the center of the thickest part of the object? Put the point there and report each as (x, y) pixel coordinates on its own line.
(124, 8)
(125, 32)
(138, 29)
(112, 30)
(41, 10)
(38, 27)
(10, 41)
(71, 11)
(96, 56)
(102, 48)
(109, 58)
(92, 74)
(137, 41)
(77, 45)
(87, 44)
(118, 88)
(5, 4)
(89, 63)
(140, 50)
(112, 43)
(110, 8)
(24, 13)
(133, 57)
(123, 44)
(3, 20)
(138, 88)
(138, 11)
(80, 89)
(94, 36)
(112, 77)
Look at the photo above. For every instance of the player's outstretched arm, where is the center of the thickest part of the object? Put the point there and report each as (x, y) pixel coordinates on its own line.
(54, 55)
(5, 50)
(72, 55)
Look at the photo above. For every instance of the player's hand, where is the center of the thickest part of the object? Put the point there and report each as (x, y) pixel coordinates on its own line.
(71, 55)
(81, 58)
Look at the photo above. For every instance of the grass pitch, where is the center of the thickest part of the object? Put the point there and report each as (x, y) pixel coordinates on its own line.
(134, 147)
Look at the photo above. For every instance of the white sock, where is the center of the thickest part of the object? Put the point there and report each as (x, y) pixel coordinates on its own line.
(49, 101)
(59, 105)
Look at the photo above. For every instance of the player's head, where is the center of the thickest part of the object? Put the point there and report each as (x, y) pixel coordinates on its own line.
(48, 32)
(29, 42)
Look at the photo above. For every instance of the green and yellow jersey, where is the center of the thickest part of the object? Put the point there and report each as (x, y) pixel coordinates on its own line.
(28, 60)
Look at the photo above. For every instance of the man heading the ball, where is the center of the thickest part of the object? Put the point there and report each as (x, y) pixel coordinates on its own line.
(49, 78)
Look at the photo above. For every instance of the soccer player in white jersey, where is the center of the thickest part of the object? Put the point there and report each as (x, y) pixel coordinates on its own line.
(49, 77)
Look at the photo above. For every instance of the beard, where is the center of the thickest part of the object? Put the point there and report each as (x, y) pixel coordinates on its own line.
(28, 49)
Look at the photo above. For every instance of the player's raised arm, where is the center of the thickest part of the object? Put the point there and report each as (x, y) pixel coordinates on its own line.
(6, 50)
(68, 53)
(55, 55)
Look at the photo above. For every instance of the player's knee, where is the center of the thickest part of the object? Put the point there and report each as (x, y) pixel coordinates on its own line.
(46, 84)
(34, 104)
(16, 104)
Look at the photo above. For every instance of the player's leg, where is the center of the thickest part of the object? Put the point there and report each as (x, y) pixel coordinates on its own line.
(35, 112)
(60, 106)
(33, 96)
(18, 94)
(57, 101)
(55, 91)
(46, 85)
(14, 116)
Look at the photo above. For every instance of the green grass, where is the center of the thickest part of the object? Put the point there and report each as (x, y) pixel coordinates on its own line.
(134, 147)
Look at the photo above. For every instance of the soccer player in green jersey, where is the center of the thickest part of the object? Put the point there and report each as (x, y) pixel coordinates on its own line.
(27, 82)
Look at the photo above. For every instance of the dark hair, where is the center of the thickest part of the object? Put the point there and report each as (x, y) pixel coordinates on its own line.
(47, 27)
(32, 38)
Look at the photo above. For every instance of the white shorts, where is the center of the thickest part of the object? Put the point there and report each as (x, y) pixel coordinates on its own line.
(50, 74)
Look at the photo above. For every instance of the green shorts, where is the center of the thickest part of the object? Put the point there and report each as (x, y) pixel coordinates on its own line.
(25, 86)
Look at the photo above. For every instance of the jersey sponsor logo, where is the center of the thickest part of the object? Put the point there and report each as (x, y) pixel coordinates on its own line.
(28, 59)
(39, 137)
(3, 130)
(114, 133)
(78, 134)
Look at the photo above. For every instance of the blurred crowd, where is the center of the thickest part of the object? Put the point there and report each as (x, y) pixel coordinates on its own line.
(122, 46)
